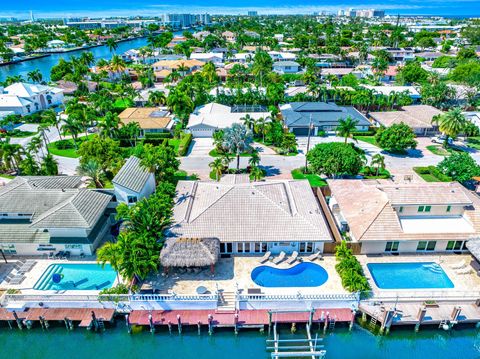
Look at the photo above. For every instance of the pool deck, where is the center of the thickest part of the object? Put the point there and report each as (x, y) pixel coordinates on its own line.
(41, 265)
(233, 273)
(462, 282)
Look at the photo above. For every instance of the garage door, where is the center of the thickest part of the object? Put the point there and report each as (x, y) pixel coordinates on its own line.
(301, 131)
(202, 132)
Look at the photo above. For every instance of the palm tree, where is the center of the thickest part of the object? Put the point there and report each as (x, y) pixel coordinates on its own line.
(346, 127)
(451, 123)
(111, 44)
(50, 117)
(248, 121)
(226, 158)
(49, 165)
(117, 64)
(34, 145)
(217, 166)
(237, 140)
(379, 161)
(110, 253)
(92, 170)
(43, 128)
(87, 58)
(72, 126)
(35, 76)
(254, 160)
(261, 127)
(109, 124)
(157, 98)
(256, 173)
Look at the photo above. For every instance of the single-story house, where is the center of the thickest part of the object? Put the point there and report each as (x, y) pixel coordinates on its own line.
(133, 182)
(286, 67)
(250, 217)
(150, 119)
(52, 213)
(418, 117)
(206, 119)
(215, 57)
(324, 116)
(388, 90)
(183, 66)
(414, 217)
(336, 71)
(23, 98)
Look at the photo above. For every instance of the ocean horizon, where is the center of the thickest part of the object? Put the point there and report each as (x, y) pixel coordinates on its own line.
(457, 9)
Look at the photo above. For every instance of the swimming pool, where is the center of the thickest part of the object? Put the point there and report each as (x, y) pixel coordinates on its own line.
(76, 277)
(305, 274)
(418, 275)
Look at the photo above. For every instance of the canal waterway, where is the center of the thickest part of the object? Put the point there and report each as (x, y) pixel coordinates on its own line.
(341, 344)
(44, 64)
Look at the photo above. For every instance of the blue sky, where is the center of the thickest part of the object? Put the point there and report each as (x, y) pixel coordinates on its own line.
(64, 8)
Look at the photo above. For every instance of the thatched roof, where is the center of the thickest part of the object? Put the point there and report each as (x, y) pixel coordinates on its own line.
(190, 252)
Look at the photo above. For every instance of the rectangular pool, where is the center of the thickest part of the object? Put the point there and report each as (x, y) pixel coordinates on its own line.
(76, 277)
(415, 275)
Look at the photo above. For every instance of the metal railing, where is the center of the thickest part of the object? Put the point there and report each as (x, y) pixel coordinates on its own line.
(298, 296)
(415, 295)
(173, 297)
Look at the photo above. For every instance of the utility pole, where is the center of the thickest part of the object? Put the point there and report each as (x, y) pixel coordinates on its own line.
(310, 126)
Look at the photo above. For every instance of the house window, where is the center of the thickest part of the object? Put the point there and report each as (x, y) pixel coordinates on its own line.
(431, 245)
(229, 248)
(449, 208)
(302, 247)
(132, 199)
(426, 246)
(247, 247)
(258, 248)
(456, 245)
(400, 210)
(422, 245)
(421, 209)
(428, 208)
(392, 246)
(264, 247)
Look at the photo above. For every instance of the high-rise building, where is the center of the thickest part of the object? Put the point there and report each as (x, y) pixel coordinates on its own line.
(252, 13)
(204, 19)
(32, 18)
(179, 20)
(366, 13)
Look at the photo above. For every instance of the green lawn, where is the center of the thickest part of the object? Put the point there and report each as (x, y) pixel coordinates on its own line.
(431, 174)
(474, 142)
(122, 104)
(368, 139)
(214, 153)
(438, 150)
(315, 180)
(21, 134)
(6, 176)
(66, 152)
(382, 174)
(174, 142)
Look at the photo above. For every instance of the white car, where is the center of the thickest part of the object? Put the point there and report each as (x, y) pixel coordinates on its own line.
(441, 139)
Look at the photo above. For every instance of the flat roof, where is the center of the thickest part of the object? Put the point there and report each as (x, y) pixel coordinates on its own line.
(420, 224)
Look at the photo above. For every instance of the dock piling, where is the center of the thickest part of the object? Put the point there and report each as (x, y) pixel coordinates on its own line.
(210, 324)
(169, 327)
(17, 319)
(235, 319)
(150, 321)
(179, 322)
(326, 322)
(352, 321)
(421, 315)
(127, 323)
(199, 327)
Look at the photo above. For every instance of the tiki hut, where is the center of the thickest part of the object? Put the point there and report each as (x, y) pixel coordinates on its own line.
(190, 252)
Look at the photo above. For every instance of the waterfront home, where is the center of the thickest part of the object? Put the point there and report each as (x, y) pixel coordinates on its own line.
(133, 182)
(418, 117)
(274, 215)
(389, 90)
(229, 36)
(282, 56)
(286, 67)
(242, 57)
(150, 119)
(338, 72)
(215, 57)
(184, 67)
(323, 116)
(109, 73)
(206, 119)
(24, 98)
(40, 215)
(382, 217)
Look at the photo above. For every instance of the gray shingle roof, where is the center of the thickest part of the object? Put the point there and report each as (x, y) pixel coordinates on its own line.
(132, 175)
(49, 205)
(298, 114)
(271, 211)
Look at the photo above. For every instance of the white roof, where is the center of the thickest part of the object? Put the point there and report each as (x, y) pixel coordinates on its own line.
(219, 116)
(422, 224)
(387, 90)
(23, 89)
(282, 55)
(206, 55)
(13, 101)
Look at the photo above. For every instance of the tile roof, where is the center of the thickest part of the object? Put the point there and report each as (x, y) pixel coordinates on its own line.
(146, 117)
(368, 207)
(53, 202)
(415, 116)
(298, 114)
(270, 211)
(132, 175)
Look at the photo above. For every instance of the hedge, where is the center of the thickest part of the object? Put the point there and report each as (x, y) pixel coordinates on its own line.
(156, 135)
(156, 141)
(184, 144)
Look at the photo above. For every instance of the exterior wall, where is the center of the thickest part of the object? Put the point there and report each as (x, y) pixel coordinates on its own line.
(274, 247)
(435, 211)
(378, 247)
(122, 193)
(35, 249)
(68, 232)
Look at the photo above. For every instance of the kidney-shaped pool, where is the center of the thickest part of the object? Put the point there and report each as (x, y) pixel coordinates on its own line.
(305, 274)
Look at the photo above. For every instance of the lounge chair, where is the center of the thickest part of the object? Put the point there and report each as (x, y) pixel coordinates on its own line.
(464, 271)
(458, 265)
(66, 255)
(265, 257)
(280, 258)
(314, 256)
(293, 257)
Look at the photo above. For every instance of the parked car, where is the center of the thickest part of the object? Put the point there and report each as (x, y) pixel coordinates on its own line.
(441, 139)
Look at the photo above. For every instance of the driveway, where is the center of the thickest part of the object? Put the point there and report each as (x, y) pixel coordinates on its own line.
(200, 147)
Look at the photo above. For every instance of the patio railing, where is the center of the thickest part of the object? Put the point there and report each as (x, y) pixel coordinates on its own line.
(297, 297)
(416, 295)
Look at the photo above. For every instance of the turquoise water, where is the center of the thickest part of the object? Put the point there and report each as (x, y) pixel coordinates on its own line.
(76, 277)
(420, 275)
(302, 275)
(115, 343)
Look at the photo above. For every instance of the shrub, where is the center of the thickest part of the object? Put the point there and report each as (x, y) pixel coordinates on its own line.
(335, 159)
(396, 138)
(184, 144)
(350, 270)
(157, 135)
(64, 144)
(156, 141)
(460, 166)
